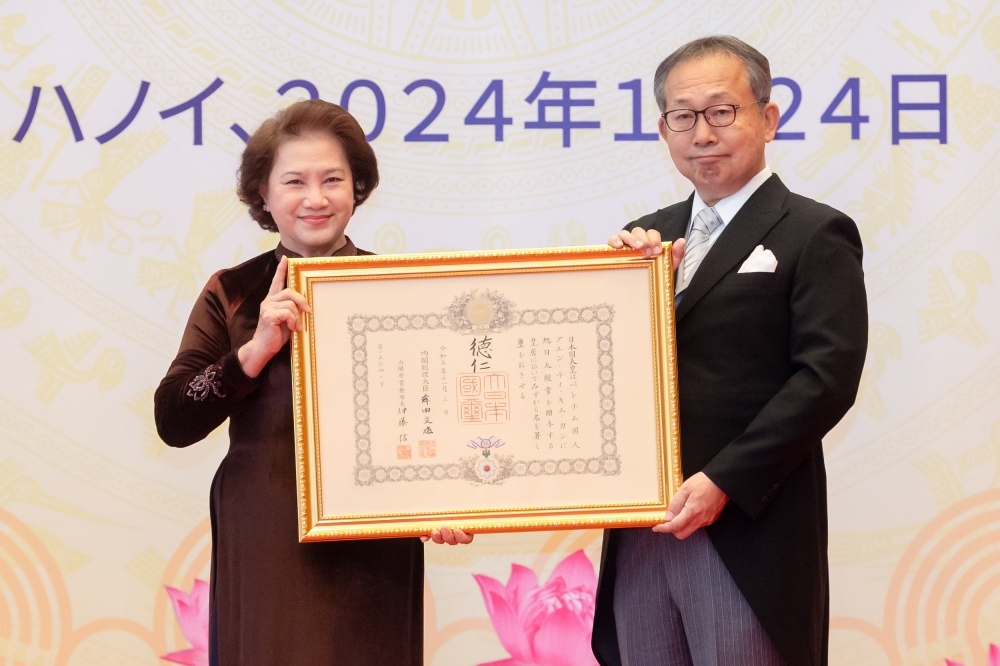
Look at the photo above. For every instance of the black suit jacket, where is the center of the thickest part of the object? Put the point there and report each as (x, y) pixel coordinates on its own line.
(768, 363)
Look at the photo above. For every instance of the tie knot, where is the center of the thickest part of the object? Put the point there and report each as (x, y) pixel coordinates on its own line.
(707, 221)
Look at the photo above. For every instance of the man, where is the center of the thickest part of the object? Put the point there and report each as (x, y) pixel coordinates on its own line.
(771, 337)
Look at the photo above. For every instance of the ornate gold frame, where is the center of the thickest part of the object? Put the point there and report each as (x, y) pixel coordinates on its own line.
(604, 512)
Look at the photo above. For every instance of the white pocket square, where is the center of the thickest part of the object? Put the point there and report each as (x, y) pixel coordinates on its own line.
(759, 261)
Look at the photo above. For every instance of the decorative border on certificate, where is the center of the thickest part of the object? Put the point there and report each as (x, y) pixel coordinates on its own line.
(475, 312)
(491, 369)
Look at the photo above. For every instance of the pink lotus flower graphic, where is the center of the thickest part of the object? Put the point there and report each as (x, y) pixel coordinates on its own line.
(994, 657)
(191, 611)
(544, 626)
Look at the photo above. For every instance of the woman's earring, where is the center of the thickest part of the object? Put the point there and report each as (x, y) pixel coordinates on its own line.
(265, 208)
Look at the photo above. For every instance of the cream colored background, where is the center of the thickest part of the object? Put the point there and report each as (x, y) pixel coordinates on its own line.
(102, 250)
(336, 302)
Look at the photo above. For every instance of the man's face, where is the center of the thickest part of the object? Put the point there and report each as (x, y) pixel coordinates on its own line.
(717, 160)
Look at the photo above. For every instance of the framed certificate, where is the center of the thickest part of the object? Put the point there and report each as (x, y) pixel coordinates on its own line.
(489, 391)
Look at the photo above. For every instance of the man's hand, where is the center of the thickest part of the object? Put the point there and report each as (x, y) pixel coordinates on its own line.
(648, 242)
(698, 503)
(448, 536)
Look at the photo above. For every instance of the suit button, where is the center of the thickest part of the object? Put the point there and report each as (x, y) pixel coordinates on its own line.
(765, 499)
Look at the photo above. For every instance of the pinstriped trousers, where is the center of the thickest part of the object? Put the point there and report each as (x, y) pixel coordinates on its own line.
(676, 605)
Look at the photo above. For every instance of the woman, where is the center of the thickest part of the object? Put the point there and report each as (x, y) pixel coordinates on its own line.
(274, 600)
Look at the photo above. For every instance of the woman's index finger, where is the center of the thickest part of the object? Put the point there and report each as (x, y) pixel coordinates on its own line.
(278, 283)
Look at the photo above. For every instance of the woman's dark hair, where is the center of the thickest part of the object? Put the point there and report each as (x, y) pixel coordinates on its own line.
(294, 121)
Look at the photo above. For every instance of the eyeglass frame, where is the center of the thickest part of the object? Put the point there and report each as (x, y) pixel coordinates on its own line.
(702, 113)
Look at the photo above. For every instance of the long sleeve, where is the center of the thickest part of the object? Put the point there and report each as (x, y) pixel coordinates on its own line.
(205, 381)
(828, 337)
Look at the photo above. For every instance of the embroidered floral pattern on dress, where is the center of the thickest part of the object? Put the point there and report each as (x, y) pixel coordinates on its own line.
(208, 384)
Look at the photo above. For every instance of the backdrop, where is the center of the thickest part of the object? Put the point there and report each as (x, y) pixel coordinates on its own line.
(497, 123)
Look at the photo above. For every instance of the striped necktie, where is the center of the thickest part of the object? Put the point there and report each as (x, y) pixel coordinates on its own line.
(697, 245)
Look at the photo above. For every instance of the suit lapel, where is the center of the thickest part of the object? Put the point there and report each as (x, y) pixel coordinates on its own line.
(757, 216)
(672, 222)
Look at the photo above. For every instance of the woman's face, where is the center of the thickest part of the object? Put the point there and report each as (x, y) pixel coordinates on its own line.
(310, 194)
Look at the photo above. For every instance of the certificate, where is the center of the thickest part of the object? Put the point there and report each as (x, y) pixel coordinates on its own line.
(487, 391)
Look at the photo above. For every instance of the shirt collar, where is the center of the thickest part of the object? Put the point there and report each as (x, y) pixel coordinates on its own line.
(348, 249)
(727, 207)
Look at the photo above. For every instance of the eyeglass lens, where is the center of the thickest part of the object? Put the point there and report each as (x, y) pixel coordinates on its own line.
(720, 115)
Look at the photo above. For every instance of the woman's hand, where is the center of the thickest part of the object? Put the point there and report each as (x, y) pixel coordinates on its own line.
(448, 536)
(279, 316)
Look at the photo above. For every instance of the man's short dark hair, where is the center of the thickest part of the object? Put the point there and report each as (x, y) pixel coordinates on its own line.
(757, 67)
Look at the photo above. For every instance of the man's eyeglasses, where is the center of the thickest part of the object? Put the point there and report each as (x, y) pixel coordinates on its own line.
(717, 115)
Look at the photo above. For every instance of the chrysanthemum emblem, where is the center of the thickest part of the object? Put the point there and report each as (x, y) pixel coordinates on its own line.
(479, 311)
